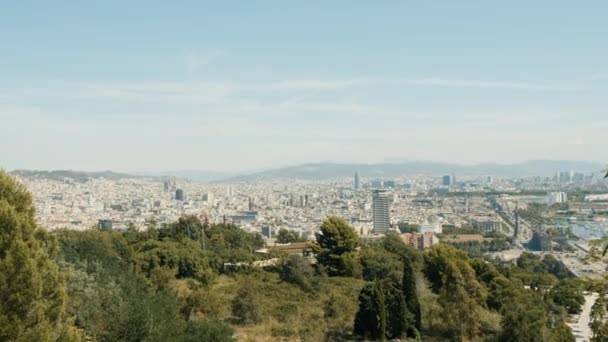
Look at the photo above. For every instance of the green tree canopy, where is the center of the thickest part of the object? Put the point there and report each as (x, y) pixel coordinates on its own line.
(461, 312)
(32, 290)
(245, 308)
(383, 312)
(288, 236)
(185, 258)
(336, 244)
(410, 295)
(367, 318)
(568, 293)
(188, 226)
(297, 270)
(436, 261)
(524, 318)
(380, 264)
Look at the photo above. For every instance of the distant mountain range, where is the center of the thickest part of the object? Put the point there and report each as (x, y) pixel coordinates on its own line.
(79, 176)
(194, 175)
(320, 171)
(323, 171)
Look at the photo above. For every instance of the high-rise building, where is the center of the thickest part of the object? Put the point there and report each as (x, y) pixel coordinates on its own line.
(104, 224)
(179, 194)
(357, 181)
(381, 210)
(487, 224)
(447, 180)
(557, 197)
(169, 184)
(431, 226)
(389, 183)
(420, 241)
(566, 176)
(377, 184)
(251, 204)
(267, 232)
(208, 197)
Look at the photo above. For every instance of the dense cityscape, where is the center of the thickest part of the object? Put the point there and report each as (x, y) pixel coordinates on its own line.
(559, 215)
(278, 171)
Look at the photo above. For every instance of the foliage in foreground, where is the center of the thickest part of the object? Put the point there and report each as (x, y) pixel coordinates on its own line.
(170, 283)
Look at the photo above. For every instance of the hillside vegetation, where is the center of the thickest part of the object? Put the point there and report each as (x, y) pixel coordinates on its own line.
(171, 283)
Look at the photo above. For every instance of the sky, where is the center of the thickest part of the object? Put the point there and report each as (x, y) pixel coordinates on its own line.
(244, 85)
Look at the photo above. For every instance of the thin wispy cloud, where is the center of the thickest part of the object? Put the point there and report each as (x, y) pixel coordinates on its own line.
(460, 83)
(597, 77)
(195, 61)
(295, 89)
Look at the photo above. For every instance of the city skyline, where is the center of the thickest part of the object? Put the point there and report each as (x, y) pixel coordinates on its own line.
(208, 87)
(264, 171)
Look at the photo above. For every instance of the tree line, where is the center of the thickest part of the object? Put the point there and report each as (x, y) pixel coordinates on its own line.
(170, 283)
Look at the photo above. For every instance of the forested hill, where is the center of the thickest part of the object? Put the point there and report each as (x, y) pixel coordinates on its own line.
(78, 176)
(190, 281)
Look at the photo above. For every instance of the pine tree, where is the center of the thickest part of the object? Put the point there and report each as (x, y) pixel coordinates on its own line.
(460, 311)
(335, 247)
(32, 291)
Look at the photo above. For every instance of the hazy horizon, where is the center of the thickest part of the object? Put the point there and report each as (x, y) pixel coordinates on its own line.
(324, 162)
(138, 87)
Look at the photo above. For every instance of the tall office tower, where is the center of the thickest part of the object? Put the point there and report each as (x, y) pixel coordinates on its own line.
(267, 231)
(566, 176)
(381, 210)
(447, 180)
(389, 183)
(357, 181)
(208, 197)
(516, 230)
(166, 185)
(179, 194)
(377, 183)
(292, 200)
(251, 204)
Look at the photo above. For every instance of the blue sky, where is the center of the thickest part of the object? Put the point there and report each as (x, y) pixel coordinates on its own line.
(141, 86)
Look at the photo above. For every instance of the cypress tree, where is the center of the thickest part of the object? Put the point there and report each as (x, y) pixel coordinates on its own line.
(399, 320)
(380, 309)
(366, 320)
(411, 296)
